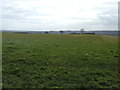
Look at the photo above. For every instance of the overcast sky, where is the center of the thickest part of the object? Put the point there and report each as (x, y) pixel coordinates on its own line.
(59, 14)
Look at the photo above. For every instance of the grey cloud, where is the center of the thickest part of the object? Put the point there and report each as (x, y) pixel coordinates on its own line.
(106, 18)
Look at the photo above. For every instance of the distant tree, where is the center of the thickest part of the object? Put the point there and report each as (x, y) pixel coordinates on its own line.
(61, 31)
(46, 32)
(82, 30)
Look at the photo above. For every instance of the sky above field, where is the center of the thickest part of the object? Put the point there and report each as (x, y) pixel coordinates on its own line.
(59, 14)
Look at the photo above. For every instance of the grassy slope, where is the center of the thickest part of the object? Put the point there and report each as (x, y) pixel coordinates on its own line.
(44, 60)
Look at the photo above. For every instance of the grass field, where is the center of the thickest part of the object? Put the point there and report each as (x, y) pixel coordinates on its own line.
(59, 61)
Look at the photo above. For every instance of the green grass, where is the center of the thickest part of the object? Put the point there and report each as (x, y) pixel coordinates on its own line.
(59, 61)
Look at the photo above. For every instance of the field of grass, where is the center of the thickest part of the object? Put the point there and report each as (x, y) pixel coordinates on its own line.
(59, 61)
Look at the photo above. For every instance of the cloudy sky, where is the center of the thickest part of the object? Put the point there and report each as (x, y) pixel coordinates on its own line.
(59, 14)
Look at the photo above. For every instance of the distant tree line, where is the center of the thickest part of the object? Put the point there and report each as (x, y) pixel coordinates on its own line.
(61, 31)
